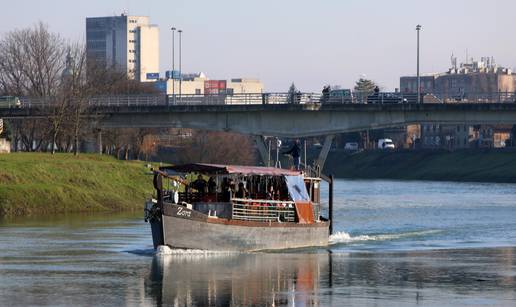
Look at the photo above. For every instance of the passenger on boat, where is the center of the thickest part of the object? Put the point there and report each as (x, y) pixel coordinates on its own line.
(271, 193)
(212, 186)
(200, 184)
(232, 187)
(226, 190)
(242, 191)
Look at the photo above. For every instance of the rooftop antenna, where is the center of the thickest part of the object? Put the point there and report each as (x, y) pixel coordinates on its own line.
(453, 61)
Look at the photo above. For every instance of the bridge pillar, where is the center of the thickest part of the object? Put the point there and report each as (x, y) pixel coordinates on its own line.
(88, 145)
(262, 149)
(93, 142)
(324, 151)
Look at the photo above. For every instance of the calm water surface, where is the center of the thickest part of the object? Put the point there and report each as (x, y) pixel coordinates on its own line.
(396, 244)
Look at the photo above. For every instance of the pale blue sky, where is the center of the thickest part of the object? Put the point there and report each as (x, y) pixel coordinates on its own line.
(309, 42)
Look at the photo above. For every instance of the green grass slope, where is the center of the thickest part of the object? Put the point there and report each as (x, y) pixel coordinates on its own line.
(35, 183)
(464, 165)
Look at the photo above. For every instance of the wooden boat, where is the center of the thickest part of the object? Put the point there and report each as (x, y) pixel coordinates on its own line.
(272, 208)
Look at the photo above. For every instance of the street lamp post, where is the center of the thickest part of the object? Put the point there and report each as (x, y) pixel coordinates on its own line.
(180, 71)
(418, 28)
(173, 64)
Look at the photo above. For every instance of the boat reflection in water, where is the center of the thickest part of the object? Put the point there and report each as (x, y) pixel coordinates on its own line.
(437, 277)
(237, 279)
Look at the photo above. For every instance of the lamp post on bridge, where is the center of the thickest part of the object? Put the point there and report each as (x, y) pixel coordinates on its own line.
(180, 72)
(173, 65)
(418, 28)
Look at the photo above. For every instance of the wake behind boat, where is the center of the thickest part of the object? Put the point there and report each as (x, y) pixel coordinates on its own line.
(239, 208)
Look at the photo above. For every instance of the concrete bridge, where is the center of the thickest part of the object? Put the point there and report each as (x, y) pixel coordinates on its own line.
(302, 119)
(285, 120)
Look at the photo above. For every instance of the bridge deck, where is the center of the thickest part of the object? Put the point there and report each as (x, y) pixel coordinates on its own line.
(290, 120)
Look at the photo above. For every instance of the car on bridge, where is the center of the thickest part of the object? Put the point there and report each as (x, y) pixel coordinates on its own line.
(339, 96)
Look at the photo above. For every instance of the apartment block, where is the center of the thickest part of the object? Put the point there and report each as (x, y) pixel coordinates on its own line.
(126, 43)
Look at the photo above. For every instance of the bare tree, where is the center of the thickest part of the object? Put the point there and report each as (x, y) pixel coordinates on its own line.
(149, 146)
(37, 63)
(31, 62)
(80, 91)
(218, 147)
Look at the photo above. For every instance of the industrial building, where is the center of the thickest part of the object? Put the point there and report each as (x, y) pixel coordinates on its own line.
(467, 81)
(127, 43)
(200, 84)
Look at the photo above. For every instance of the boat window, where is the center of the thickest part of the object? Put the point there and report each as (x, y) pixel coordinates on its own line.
(296, 188)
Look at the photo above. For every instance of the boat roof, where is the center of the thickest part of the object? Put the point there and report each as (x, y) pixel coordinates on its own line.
(230, 169)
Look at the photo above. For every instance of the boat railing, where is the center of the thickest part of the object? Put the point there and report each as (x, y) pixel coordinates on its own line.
(261, 210)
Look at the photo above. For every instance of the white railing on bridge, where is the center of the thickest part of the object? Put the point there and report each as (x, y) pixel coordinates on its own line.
(128, 100)
(244, 99)
(266, 98)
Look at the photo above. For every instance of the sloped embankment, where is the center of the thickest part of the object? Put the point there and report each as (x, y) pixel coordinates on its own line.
(37, 183)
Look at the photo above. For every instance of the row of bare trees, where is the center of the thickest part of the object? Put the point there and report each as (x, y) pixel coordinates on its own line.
(42, 65)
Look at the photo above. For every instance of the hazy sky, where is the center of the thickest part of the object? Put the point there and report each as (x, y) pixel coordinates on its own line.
(311, 43)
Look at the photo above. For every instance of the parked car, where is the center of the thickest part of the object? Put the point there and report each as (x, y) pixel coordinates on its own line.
(386, 144)
(340, 96)
(351, 146)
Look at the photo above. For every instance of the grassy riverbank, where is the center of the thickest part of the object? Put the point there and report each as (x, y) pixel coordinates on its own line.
(463, 165)
(36, 183)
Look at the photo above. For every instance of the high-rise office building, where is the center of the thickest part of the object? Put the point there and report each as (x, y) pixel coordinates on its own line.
(127, 43)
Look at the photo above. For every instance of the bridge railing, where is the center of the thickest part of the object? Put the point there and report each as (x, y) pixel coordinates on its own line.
(481, 97)
(244, 99)
(271, 98)
(128, 100)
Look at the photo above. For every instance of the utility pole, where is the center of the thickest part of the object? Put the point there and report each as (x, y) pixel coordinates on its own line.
(418, 28)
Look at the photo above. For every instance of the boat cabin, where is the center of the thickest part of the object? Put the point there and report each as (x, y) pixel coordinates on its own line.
(245, 193)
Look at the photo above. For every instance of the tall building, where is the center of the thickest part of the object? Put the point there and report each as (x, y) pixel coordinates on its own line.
(126, 43)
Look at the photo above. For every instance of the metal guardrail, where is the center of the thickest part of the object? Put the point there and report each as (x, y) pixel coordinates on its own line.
(128, 100)
(269, 98)
(244, 99)
(263, 210)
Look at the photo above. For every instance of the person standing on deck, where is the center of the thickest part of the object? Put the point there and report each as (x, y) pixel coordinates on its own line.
(295, 153)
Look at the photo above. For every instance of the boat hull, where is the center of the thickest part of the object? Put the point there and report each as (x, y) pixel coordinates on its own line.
(184, 228)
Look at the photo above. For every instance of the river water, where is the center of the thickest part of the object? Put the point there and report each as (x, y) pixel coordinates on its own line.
(397, 243)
